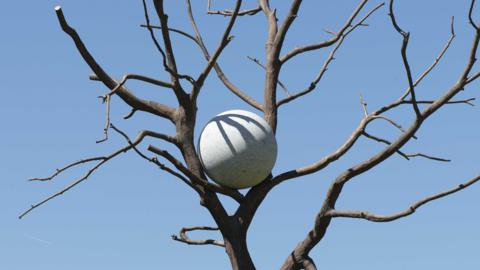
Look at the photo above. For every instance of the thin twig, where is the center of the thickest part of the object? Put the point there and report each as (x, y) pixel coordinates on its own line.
(107, 121)
(183, 237)
(378, 139)
(174, 30)
(468, 101)
(470, 17)
(364, 106)
(395, 124)
(226, 12)
(59, 171)
(429, 157)
(130, 114)
(256, 61)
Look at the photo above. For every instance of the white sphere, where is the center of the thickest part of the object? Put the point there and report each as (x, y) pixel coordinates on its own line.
(237, 149)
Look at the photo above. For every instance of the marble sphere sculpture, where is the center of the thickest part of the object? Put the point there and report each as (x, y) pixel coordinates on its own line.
(237, 149)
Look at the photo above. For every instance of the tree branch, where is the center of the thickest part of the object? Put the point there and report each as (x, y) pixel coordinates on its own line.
(324, 162)
(256, 61)
(470, 17)
(408, 211)
(330, 58)
(167, 57)
(380, 140)
(437, 59)
(326, 43)
(220, 74)
(226, 38)
(404, 155)
(183, 237)
(59, 171)
(428, 157)
(130, 114)
(232, 193)
(322, 220)
(468, 101)
(287, 22)
(154, 160)
(392, 122)
(107, 97)
(102, 160)
(226, 12)
(139, 104)
(406, 37)
(106, 100)
(171, 62)
(174, 30)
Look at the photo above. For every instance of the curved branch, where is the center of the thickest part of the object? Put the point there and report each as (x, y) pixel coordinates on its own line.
(408, 211)
(287, 22)
(135, 102)
(330, 58)
(326, 43)
(324, 162)
(470, 17)
(183, 237)
(130, 114)
(392, 122)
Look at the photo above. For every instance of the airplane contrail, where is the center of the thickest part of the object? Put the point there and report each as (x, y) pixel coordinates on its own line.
(38, 239)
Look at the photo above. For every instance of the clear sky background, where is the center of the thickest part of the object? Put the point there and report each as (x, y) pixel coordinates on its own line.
(122, 217)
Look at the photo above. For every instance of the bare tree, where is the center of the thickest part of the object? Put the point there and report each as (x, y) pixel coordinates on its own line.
(187, 89)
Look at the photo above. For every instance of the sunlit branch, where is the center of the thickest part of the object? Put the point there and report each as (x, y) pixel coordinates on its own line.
(135, 102)
(408, 211)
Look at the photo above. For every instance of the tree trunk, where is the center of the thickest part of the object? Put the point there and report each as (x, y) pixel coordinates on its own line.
(237, 250)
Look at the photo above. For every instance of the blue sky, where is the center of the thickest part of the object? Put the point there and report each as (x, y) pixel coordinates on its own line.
(123, 216)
